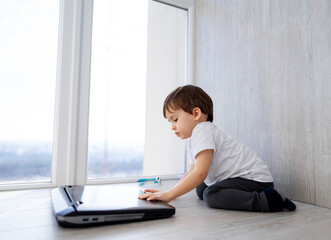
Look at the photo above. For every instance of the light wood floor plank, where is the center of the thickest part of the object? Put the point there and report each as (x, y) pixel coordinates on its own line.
(28, 215)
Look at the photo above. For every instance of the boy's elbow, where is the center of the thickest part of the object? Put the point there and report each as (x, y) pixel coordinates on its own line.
(202, 175)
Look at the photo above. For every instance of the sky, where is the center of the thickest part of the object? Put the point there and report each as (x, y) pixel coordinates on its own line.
(28, 47)
(118, 71)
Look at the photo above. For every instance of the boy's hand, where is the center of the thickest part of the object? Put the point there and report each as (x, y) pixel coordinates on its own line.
(154, 195)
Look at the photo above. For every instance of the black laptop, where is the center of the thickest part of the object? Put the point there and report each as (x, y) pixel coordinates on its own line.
(108, 204)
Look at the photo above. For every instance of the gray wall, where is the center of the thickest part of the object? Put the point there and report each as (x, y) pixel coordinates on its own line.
(267, 66)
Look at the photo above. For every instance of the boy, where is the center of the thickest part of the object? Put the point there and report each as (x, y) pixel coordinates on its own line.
(225, 173)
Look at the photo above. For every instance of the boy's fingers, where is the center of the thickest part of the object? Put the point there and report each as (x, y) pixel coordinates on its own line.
(145, 195)
(152, 198)
(150, 190)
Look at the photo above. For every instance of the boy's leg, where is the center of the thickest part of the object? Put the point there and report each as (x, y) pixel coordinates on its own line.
(200, 189)
(277, 202)
(238, 194)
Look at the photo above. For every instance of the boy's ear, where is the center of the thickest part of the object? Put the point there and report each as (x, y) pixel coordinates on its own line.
(196, 113)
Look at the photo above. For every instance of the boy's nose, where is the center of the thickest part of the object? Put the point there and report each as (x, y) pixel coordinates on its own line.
(173, 127)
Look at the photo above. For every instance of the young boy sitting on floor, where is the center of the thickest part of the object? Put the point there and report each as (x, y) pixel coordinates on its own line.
(225, 173)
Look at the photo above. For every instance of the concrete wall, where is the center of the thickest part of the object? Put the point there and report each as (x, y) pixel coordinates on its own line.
(267, 66)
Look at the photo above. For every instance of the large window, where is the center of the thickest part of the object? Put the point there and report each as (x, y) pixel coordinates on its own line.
(28, 47)
(118, 88)
(82, 88)
(138, 53)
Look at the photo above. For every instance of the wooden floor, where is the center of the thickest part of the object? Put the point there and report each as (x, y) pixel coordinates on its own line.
(28, 215)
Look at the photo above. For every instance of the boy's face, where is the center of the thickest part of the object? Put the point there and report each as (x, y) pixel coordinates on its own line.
(182, 123)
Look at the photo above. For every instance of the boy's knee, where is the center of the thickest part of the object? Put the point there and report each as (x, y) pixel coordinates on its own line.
(199, 193)
(209, 197)
(200, 190)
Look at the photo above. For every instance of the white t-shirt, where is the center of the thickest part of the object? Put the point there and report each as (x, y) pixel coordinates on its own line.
(231, 159)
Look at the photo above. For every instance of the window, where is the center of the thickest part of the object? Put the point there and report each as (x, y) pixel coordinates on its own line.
(118, 89)
(128, 136)
(167, 69)
(99, 78)
(28, 47)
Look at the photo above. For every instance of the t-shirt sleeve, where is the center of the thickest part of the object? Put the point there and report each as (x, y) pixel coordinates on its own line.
(201, 140)
(189, 154)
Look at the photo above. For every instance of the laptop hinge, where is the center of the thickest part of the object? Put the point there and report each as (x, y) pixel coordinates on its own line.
(70, 198)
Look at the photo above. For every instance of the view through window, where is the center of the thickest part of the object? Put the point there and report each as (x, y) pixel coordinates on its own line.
(120, 98)
(138, 56)
(118, 89)
(28, 46)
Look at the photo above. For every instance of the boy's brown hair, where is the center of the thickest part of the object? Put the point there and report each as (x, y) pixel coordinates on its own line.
(187, 98)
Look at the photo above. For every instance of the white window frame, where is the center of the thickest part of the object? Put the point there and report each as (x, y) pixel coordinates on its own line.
(70, 156)
(71, 128)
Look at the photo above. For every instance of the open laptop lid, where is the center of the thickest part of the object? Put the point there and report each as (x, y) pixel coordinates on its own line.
(94, 205)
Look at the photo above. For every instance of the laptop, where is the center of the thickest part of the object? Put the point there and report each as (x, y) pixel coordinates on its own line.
(78, 206)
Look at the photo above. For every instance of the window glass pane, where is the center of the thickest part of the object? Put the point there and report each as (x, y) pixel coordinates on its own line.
(127, 36)
(118, 89)
(28, 46)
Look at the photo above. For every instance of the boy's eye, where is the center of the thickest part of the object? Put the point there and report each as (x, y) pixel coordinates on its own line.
(175, 120)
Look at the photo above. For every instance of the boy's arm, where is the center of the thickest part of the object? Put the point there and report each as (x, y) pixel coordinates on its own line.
(187, 173)
(196, 176)
(193, 179)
